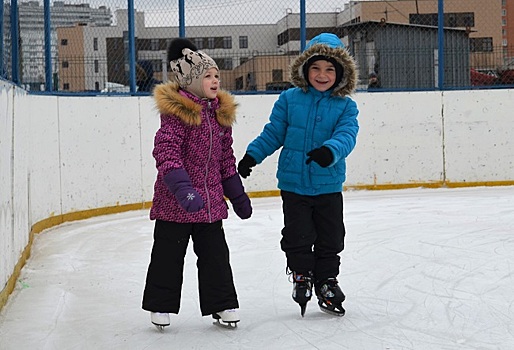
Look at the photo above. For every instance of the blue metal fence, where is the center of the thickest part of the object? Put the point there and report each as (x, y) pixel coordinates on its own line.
(96, 51)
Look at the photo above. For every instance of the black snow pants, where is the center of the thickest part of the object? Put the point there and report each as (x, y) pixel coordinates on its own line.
(165, 272)
(313, 233)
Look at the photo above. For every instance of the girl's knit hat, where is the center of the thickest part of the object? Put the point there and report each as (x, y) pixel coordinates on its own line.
(189, 65)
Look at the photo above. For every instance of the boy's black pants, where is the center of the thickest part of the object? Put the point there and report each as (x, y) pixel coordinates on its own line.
(165, 273)
(313, 233)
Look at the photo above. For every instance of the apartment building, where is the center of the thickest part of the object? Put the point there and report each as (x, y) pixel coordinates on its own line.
(32, 40)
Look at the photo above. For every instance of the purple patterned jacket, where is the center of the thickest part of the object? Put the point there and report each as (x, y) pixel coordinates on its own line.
(195, 135)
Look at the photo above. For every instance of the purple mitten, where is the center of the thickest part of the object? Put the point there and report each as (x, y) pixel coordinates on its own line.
(179, 184)
(233, 189)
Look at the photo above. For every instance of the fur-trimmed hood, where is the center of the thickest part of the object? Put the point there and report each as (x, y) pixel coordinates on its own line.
(327, 44)
(169, 100)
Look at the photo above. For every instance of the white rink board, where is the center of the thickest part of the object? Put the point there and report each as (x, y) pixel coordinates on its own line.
(479, 129)
(253, 114)
(21, 175)
(150, 122)
(7, 256)
(44, 166)
(100, 152)
(399, 141)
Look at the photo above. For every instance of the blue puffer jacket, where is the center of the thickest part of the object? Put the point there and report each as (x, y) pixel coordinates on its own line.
(304, 118)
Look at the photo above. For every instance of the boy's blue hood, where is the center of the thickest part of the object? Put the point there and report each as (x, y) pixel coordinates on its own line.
(328, 39)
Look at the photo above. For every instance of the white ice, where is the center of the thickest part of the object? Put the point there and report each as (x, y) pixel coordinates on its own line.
(422, 269)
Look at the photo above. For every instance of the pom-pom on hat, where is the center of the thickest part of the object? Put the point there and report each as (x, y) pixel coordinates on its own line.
(189, 65)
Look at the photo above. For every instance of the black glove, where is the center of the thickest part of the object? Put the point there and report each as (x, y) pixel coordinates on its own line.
(323, 156)
(245, 165)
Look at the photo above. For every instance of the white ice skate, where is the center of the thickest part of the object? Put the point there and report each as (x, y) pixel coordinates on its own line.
(226, 318)
(160, 320)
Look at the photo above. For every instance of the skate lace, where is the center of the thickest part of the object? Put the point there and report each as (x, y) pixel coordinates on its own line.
(330, 288)
(298, 278)
(327, 291)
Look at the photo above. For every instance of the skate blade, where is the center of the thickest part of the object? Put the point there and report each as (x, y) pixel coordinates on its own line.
(160, 327)
(303, 307)
(228, 325)
(219, 322)
(334, 310)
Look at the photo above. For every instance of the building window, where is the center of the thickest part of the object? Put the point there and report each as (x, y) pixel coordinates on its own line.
(64, 42)
(224, 63)
(154, 44)
(66, 86)
(95, 44)
(65, 64)
(227, 42)
(210, 43)
(243, 42)
(453, 20)
(277, 75)
(481, 44)
(97, 86)
(96, 66)
(157, 66)
(199, 43)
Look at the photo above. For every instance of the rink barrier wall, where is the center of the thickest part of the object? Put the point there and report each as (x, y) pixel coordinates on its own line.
(65, 158)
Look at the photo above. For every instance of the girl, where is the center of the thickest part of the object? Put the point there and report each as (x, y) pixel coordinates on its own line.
(196, 169)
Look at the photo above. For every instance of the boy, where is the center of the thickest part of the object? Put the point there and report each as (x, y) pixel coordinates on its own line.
(316, 126)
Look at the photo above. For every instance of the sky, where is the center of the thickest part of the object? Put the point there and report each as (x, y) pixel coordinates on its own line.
(208, 12)
(422, 269)
(228, 12)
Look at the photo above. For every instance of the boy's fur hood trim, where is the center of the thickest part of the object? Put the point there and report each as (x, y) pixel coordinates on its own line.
(341, 55)
(168, 100)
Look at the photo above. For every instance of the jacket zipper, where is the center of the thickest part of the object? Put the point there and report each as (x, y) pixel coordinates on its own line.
(208, 160)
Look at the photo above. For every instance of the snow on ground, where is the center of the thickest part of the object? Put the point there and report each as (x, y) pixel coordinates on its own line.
(422, 269)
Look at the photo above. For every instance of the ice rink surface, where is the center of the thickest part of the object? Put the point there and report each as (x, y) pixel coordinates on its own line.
(422, 269)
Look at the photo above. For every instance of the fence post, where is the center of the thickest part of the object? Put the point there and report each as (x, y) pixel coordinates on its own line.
(15, 44)
(181, 19)
(440, 46)
(303, 24)
(2, 39)
(132, 46)
(48, 46)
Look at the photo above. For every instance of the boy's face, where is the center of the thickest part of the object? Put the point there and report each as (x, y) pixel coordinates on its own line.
(322, 75)
(211, 83)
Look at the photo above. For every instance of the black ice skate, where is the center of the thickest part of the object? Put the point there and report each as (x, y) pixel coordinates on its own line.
(330, 297)
(302, 289)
